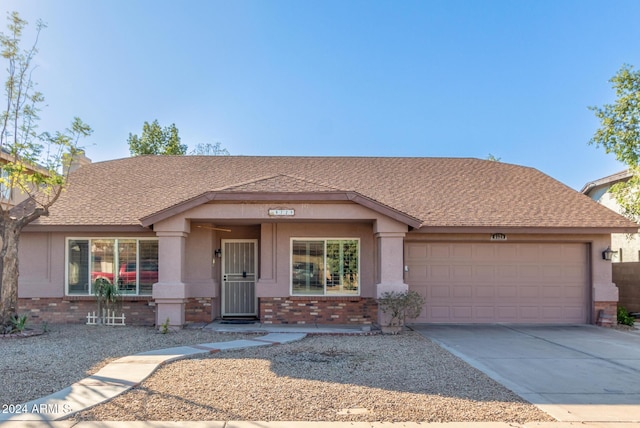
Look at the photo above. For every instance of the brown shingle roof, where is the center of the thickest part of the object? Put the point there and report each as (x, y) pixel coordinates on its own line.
(439, 192)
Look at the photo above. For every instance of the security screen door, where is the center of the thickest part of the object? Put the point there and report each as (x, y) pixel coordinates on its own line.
(239, 268)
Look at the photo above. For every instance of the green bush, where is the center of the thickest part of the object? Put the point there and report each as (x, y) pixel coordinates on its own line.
(624, 317)
(19, 323)
(401, 305)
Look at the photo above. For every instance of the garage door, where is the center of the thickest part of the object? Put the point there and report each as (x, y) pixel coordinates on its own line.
(500, 282)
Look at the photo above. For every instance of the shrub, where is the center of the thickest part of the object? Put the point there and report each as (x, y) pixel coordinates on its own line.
(164, 327)
(624, 317)
(107, 295)
(401, 305)
(19, 322)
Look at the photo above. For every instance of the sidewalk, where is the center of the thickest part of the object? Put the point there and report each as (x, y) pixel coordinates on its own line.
(303, 424)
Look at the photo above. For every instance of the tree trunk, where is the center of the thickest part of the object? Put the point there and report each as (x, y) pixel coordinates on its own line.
(9, 274)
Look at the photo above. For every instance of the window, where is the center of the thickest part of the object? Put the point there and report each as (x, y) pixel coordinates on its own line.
(325, 267)
(130, 263)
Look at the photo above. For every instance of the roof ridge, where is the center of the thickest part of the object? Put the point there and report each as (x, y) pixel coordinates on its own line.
(273, 177)
(317, 183)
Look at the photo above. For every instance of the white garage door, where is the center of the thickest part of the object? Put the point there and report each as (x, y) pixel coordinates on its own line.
(500, 282)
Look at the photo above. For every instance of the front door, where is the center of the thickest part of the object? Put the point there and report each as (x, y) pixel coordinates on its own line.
(239, 268)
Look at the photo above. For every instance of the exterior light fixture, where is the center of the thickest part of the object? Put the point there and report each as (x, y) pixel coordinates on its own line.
(608, 254)
(218, 252)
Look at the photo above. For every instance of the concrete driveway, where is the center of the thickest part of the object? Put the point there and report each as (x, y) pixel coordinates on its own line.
(573, 373)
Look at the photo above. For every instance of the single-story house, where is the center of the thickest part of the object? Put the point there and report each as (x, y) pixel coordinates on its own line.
(317, 239)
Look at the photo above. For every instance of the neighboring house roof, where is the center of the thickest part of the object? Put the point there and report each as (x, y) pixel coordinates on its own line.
(606, 181)
(423, 192)
(16, 195)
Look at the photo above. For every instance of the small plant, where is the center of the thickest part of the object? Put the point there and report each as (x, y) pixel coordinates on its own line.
(106, 295)
(400, 306)
(45, 326)
(164, 327)
(624, 318)
(19, 322)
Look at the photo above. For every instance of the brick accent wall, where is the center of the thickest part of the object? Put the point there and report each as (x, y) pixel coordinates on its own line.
(74, 309)
(606, 313)
(199, 309)
(320, 310)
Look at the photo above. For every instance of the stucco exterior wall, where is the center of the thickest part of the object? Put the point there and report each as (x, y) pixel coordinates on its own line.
(41, 265)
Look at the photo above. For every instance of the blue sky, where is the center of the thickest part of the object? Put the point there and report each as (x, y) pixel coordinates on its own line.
(352, 78)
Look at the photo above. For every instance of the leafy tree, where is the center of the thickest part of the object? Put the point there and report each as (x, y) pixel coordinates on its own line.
(619, 133)
(209, 149)
(36, 164)
(156, 140)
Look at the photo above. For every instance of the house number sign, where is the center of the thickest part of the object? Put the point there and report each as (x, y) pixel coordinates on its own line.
(498, 237)
(281, 212)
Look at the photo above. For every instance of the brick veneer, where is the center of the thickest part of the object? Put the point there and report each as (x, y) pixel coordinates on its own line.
(74, 309)
(199, 309)
(609, 315)
(321, 310)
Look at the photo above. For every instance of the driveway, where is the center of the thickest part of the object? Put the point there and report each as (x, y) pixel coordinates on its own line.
(573, 373)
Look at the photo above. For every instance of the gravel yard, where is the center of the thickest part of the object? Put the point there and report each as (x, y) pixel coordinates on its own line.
(37, 366)
(339, 378)
(320, 378)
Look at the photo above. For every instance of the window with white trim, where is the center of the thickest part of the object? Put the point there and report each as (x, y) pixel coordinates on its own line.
(131, 263)
(325, 267)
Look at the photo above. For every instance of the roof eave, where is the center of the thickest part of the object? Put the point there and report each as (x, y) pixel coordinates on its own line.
(86, 228)
(608, 180)
(528, 230)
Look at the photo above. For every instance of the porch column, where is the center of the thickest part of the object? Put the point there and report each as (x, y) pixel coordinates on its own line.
(170, 291)
(390, 262)
(268, 250)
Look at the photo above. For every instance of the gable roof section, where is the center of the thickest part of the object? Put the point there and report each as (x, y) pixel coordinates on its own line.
(335, 196)
(434, 192)
(279, 188)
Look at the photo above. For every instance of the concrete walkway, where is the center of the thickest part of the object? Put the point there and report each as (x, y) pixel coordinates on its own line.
(122, 375)
(258, 327)
(577, 373)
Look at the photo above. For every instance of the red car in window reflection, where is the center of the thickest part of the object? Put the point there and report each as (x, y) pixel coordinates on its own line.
(127, 275)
